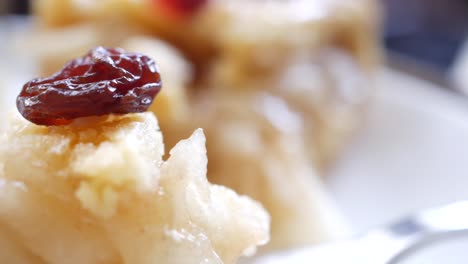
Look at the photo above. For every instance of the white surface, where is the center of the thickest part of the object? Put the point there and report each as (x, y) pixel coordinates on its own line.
(459, 69)
(14, 68)
(412, 154)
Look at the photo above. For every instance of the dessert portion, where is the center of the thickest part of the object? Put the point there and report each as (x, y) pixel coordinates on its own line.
(319, 55)
(97, 190)
(278, 86)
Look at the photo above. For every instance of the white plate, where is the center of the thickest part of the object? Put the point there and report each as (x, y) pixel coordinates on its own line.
(412, 154)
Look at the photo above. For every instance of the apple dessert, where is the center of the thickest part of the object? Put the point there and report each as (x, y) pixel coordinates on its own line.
(278, 86)
(83, 179)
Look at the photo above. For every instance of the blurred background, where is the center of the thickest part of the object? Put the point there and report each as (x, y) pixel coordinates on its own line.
(428, 34)
(429, 31)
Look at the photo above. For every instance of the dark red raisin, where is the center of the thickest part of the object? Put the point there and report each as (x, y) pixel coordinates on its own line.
(104, 81)
(180, 9)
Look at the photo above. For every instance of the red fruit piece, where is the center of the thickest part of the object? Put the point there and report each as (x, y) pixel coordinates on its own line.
(180, 9)
(104, 81)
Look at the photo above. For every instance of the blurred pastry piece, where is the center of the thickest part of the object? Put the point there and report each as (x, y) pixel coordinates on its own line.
(319, 55)
(53, 48)
(98, 191)
(59, 13)
(256, 147)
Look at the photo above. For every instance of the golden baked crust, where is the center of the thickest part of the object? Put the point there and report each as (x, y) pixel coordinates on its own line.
(98, 191)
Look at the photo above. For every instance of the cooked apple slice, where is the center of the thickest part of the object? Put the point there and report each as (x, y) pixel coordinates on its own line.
(98, 191)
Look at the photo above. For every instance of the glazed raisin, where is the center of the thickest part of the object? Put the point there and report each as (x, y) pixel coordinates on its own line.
(104, 81)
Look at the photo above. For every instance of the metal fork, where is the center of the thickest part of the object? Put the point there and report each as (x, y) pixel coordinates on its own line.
(386, 245)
